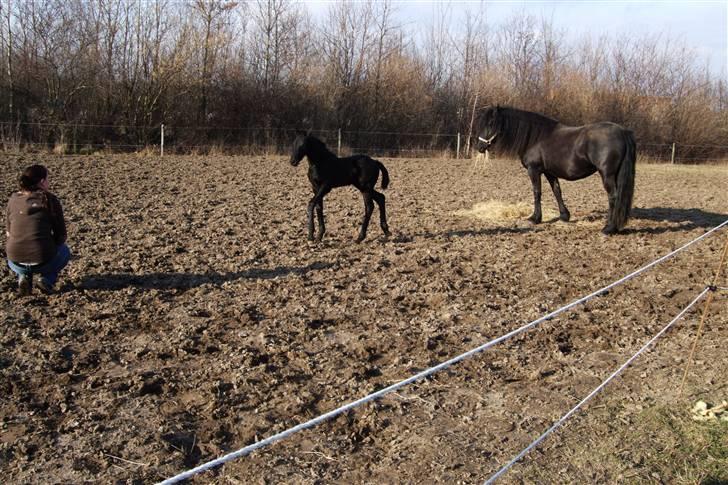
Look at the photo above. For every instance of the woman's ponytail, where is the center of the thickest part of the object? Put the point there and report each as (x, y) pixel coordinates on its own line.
(29, 180)
(32, 176)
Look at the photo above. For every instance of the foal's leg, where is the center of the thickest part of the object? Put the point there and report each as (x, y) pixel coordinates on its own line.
(380, 200)
(311, 205)
(315, 201)
(320, 217)
(610, 185)
(535, 176)
(556, 188)
(368, 208)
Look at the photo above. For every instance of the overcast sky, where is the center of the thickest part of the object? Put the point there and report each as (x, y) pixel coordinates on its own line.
(701, 25)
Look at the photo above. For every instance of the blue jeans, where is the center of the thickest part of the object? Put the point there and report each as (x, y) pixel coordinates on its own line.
(49, 270)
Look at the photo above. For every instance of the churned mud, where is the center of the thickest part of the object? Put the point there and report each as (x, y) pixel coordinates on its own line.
(196, 319)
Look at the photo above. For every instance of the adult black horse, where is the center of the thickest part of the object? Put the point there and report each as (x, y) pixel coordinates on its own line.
(548, 147)
(326, 171)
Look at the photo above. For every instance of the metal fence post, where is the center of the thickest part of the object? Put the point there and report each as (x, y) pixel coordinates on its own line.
(161, 142)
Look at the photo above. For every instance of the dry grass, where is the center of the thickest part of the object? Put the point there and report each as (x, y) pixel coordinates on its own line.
(663, 168)
(500, 211)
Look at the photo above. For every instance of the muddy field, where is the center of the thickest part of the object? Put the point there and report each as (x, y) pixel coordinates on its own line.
(196, 319)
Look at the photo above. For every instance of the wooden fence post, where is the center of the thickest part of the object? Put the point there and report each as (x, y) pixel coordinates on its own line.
(338, 145)
(672, 157)
(458, 149)
(161, 142)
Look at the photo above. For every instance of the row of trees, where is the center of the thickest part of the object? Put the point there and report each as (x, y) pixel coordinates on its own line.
(215, 71)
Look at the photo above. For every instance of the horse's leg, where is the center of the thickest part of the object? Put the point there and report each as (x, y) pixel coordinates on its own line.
(556, 188)
(535, 176)
(380, 200)
(368, 208)
(610, 185)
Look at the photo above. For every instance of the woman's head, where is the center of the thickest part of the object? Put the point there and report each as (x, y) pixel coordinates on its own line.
(32, 177)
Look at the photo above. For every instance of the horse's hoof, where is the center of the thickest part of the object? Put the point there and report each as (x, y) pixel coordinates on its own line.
(609, 230)
(360, 239)
(534, 220)
(565, 216)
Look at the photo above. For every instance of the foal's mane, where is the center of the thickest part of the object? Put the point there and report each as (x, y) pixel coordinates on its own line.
(517, 129)
(317, 151)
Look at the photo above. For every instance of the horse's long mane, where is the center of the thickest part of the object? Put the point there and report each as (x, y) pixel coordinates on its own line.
(517, 129)
(317, 150)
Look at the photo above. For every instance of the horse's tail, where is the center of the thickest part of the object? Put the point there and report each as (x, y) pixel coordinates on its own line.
(625, 184)
(385, 174)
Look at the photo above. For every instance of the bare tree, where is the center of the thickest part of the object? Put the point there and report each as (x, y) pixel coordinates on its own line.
(75, 64)
(518, 53)
(273, 41)
(552, 59)
(215, 18)
(383, 13)
(6, 42)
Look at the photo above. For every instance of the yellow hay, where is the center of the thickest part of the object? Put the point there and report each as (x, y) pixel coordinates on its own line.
(498, 211)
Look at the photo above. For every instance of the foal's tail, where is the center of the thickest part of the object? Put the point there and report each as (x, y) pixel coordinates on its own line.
(625, 184)
(385, 175)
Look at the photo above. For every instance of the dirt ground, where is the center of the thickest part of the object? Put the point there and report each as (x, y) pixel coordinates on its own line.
(195, 319)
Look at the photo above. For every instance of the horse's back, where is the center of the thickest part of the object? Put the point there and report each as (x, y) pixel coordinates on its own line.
(361, 171)
(605, 128)
(365, 171)
(575, 152)
(605, 144)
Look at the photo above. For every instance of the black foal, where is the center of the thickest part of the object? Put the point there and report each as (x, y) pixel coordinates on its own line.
(326, 171)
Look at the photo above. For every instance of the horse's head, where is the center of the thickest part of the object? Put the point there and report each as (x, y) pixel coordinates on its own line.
(488, 128)
(299, 149)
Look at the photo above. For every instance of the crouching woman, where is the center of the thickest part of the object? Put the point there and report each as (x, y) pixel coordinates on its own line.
(36, 232)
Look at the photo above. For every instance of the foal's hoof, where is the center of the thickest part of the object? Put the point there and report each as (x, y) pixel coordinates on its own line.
(609, 230)
(534, 219)
(564, 216)
(360, 239)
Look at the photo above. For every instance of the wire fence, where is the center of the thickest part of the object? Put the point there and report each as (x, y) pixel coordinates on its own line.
(594, 392)
(87, 139)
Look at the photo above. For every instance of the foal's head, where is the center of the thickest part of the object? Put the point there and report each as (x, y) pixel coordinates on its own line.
(299, 149)
(306, 145)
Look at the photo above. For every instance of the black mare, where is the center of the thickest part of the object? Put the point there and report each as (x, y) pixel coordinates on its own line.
(557, 151)
(326, 171)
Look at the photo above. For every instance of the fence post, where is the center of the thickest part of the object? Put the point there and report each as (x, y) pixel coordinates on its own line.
(338, 145)
(161, 143)
(458, 149)
(672, 157)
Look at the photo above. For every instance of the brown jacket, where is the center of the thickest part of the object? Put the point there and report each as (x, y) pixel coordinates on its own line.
(35, 228)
